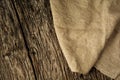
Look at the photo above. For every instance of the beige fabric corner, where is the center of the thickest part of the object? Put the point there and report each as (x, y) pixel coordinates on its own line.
(109, 62)
(83, 27)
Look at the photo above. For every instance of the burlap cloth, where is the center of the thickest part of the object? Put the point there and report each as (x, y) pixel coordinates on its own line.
(88, 33)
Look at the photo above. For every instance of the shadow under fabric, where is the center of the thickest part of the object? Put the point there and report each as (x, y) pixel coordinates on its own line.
(83, 27)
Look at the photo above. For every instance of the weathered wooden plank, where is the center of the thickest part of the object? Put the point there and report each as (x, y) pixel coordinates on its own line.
(44, 50)
(14, 60)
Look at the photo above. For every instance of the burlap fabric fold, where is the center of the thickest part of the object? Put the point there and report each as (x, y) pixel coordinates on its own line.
(83, 28)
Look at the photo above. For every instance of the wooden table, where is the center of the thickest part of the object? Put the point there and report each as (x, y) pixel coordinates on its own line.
(29, 49)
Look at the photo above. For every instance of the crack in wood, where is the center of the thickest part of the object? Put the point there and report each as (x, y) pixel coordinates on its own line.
(22, 31)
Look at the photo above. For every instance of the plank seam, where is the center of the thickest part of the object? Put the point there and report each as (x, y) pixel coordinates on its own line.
(25, 41)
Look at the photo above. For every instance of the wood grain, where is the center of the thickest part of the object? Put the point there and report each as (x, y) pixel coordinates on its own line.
(14, 60)
(29, 49)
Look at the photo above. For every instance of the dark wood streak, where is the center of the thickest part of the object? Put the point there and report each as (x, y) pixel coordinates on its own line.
(29, 49)
(14, 62)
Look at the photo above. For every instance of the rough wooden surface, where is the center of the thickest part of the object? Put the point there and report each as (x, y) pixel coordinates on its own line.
(14, 61)
(29, 49)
